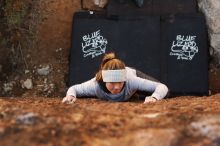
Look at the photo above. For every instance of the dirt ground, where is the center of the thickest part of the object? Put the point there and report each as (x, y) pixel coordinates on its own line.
(41, 37)
(93, 122)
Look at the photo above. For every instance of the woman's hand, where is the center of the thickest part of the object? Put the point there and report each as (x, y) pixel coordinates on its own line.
(69, 99)
(150, 99)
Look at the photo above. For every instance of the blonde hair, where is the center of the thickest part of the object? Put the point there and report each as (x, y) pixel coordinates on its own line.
(109, 62)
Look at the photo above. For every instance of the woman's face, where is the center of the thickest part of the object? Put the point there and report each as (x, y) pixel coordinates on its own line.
(114, 87)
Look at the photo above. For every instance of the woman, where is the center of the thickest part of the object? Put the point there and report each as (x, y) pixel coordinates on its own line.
(116, 82)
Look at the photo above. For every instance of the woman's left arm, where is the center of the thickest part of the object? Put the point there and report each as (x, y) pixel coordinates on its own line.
(159, 90)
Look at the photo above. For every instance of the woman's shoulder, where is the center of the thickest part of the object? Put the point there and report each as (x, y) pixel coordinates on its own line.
(130, 71)
(91, 82)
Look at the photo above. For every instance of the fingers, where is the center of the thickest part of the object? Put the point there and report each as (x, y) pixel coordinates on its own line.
(69, 99)
(149, 100)
(64, 100)
(72, 100)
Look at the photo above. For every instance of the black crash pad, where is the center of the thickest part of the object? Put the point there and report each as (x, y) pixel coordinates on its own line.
(145, 44)
(132, 41)
(185, 65)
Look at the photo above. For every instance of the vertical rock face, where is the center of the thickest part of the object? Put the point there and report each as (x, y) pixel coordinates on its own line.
(211, 9)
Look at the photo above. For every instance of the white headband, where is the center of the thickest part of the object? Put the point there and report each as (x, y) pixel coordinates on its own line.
(114, 75)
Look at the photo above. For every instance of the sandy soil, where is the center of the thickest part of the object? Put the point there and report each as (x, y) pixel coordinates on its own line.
(95, 122)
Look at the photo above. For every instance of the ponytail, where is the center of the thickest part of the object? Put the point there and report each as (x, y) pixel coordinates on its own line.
(109, 62)
(106, 58)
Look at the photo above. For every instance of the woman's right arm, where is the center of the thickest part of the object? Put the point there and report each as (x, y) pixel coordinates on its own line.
(87, 88)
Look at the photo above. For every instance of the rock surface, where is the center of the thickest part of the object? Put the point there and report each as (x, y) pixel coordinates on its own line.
(211, 9)
(27, 84)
